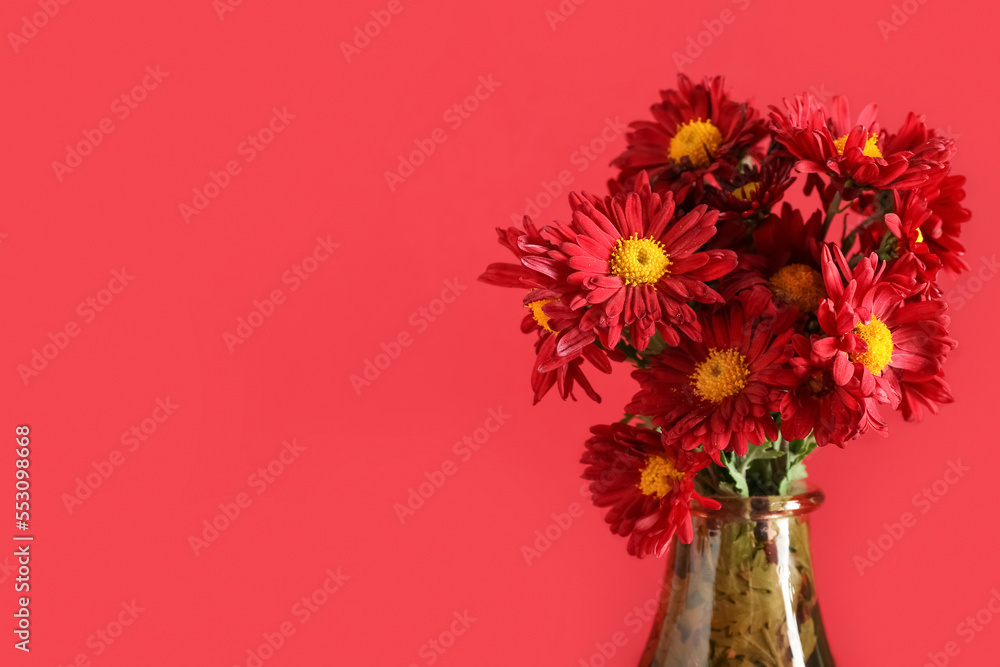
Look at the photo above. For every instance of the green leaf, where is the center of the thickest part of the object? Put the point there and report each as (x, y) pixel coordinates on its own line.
(768, 454)
(739, 478)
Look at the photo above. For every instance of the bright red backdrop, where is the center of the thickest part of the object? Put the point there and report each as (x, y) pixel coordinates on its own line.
(553, 86)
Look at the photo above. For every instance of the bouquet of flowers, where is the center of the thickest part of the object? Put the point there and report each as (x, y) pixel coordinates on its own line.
(762, 322)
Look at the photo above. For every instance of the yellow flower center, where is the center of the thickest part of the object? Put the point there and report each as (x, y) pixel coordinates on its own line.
(747, 192)
(697, 140)
(799, 285)
(870, 149)
(540, 317)
(920, 236)
(723, 373)
(657, 475)
(879, 340)
(639, 261)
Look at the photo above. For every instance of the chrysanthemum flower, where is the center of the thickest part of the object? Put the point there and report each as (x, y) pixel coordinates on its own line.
(629, 264)
(815, 402)
(927, 148)
(698, 129)
(647, 483)
(718, 393)
(905, 225)
(786, 270)
(752, 193)
(872, 328)
(944, 226)
(550, 369)
(829, 142)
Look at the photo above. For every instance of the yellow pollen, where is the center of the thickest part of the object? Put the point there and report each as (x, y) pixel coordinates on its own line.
(657, 475)
(540, 317)
(697, 140)
(870, 149)
(723, 373)
(747, 192)
(639, 261)
(920, 236)
(879, 340)
(799, 285)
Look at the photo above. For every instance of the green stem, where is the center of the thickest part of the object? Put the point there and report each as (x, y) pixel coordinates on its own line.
(780, 465)
(848, 241)
(831, 212)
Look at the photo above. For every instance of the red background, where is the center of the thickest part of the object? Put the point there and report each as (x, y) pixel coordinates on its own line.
(323, 176)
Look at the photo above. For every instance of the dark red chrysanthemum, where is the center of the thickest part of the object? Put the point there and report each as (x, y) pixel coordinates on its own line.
(905, 225)
(647, 483)
(929, 150)
(874, 330)
(944, 226)
(752, 193)
(629, 264)
(718, 393)
(550, 369)
(698, 130)
(785, 270)
(815, 402)
(829, 142)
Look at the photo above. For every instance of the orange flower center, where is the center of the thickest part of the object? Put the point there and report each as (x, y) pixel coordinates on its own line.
(799, 285)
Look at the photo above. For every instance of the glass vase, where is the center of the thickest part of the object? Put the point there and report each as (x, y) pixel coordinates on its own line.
(742, 594)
